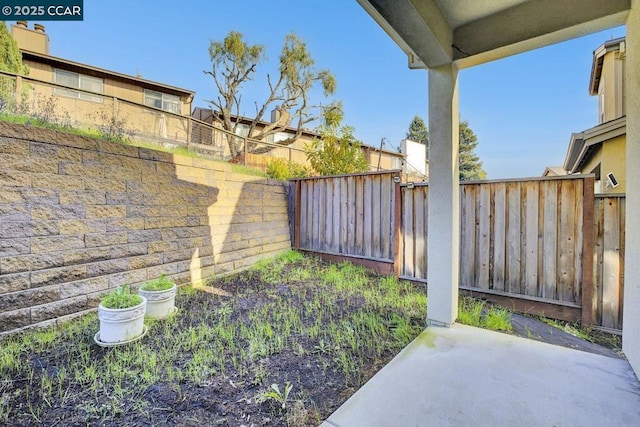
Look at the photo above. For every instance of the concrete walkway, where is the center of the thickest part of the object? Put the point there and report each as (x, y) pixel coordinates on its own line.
(465, 376)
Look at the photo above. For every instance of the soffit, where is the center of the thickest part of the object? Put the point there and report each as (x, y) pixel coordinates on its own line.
(434, 33)
(460, 12)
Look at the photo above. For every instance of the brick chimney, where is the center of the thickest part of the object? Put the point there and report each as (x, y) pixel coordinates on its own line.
(35, 40)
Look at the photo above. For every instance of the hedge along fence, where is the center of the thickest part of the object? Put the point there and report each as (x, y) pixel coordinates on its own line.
(80, 216)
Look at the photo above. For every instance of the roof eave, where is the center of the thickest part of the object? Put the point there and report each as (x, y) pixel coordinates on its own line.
(581, 142)
(53, 60)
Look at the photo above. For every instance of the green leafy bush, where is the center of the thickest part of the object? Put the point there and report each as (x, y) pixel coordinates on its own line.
(283, 170)
(336, 151)
(121, 298)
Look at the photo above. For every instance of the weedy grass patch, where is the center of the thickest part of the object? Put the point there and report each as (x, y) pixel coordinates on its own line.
(316, 330)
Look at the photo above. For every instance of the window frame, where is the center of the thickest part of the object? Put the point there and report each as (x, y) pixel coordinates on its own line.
(78, 92)
(161, 101)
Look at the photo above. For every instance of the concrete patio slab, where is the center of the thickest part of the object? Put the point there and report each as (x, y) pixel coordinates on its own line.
(465, 376)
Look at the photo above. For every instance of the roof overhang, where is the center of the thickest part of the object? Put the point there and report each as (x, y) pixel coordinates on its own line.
(598, 60)
(434, 33)
(90, 70)
(582, 144)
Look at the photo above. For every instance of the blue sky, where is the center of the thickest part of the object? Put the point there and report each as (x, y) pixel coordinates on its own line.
(523, 109)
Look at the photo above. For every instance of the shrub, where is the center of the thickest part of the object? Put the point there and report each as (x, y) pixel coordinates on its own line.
(112, 128)
(336, 151)
(283, 170)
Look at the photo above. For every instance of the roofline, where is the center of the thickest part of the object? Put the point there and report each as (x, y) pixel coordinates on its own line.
(291, 129)
(54, 60)
(598, 58)
(413, 61)
(554, 170)
(582, 143)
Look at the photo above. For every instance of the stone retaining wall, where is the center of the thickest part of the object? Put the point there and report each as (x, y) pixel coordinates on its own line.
(80, 216)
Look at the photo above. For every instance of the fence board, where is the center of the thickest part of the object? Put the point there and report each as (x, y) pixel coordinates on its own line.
(376, 217)
(513, 280)
(359, 214)
(335, 203)
(549, 244)
(566, 244)
(499, 235)
(611, 265)
(351, 214)
(419, 235)
(578, 203)
(531, 239)
(302, 212)
(468, 236)
(343, 214)
(484, 238)
(386, 214)
(407, 231)
(322, 214)
(367, 218)
(328, 218)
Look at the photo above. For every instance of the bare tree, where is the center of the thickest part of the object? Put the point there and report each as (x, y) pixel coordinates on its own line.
(234, 62)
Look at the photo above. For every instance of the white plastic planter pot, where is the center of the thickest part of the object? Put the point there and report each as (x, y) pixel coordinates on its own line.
(160, 304)
(120, 325)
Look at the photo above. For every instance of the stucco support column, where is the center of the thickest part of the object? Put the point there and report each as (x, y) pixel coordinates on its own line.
(444, 198)
(631, 314)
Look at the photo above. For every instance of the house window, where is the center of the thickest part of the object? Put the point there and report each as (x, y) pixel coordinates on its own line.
(78, 81)
(162, 101)
(242, 130)
(274, 138)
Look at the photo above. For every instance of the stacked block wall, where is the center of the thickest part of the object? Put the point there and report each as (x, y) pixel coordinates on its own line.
(80, 216)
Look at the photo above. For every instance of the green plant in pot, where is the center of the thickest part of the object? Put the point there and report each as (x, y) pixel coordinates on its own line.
(121, 316)
(160, 294)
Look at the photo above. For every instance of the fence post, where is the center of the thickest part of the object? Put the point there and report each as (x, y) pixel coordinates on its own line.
(188, 131)
(296, 213)
(18, 93)
(397, 215)
(246, 151)
(588, 249)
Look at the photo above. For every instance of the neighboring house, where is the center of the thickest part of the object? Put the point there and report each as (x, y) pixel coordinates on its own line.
(554, 171)
(376, 158)
(601, 150)
(149, 108)
(416, 165)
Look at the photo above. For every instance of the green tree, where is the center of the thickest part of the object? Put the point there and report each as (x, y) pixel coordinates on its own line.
(470, 164)
(336, 151)
(10, 56)
(418, 132)
(234, 63)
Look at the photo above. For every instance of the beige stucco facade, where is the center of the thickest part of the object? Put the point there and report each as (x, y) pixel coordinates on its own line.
(149, 108)
(609, 158)
(601, 150)
(607, 79)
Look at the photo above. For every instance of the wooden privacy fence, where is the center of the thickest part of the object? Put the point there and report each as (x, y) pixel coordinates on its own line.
(522, 242)
(542, 246)
(350, 215)
(608, 271)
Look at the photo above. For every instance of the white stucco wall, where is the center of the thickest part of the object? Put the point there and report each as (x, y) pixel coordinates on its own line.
(416, 161)
(631, 316)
